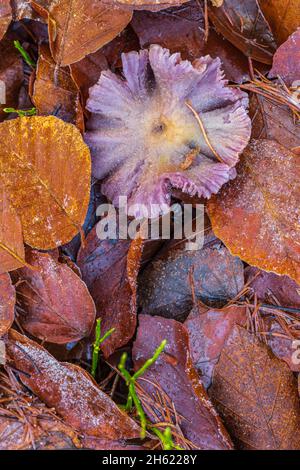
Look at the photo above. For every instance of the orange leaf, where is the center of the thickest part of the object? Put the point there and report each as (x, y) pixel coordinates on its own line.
(283, 16)
(7, 303)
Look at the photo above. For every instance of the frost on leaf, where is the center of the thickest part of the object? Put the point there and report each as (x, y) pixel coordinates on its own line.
(168, 124)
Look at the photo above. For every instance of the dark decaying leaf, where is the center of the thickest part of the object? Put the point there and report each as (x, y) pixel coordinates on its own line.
(208, 331)
(110, 269)
(70, 390)
(174, 374)
(286, 60)
(257, 214)
(166, 285)
(5, 16)
(283, 17)
(11, 73)
(243, 24)
(54, 91)
(7, 303)
(256, 395)
(54, 303)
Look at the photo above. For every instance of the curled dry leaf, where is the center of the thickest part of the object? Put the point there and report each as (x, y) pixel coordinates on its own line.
(5, 16)
(166, 284)
(78, 28)
(7, 303)
(243, 24)
(70, 390)
(54, 91)
(174, 374)
(110, 269)
(152, 5)
(286, 60)
(256, 395)
(208, 331)
(11, 73)
(283, 17)
(46, 172)
(257, 214)
(54, 303)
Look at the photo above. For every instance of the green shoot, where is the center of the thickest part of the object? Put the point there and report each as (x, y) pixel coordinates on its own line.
(96, 346)
(21, 112)
(130, 381)
(165, 438)
(24, 54)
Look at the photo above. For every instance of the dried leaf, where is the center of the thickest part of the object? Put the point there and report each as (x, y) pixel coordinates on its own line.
(243, 24)
(152, 5)
(256, 395)
(55, 304)
(11, 74)
(283, 16)
(174, 374)
(78, 28)
(110, 268)
(7, 303)
(286, 60)
(46, 172)
(208, 331)
(5, 16)
(54, 91)
(70, 390)
(257, 214)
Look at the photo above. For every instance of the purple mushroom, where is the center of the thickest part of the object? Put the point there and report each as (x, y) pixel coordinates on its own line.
(168, 123)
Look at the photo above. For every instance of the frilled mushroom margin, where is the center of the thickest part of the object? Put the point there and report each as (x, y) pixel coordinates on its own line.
(168, 124)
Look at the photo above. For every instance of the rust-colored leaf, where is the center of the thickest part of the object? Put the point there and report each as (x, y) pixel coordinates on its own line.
(55, 304)
(152, 5)
(286, 60)
(174, 374)
(283, 16)
(5, 16)
(7, 303)
(70, 390)
(11, 74)
(78, 28)
(257, 214)
(243, 24)
(256, 395)
(208, 331)
(46, 172)
(54, 91)
(110, 269)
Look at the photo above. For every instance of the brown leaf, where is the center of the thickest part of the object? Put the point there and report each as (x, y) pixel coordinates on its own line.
(54, 91)
(5, 16)
(152, 5)
(283, 17)
(286, 60)
(110, 268)
(256, 395)
(46, 172)
(55, 303)
(243, 24)
(208, 331)
(78, 28)
(7, 303)
(11, 73)
(70, 390)
(257, 214)
(166, 288)
(12, 253)
(174, 374)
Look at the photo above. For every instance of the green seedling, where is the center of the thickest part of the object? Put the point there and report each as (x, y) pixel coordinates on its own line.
(165, 438)
(21, 112)
(96, 346)
(24, 54)
(133, 398)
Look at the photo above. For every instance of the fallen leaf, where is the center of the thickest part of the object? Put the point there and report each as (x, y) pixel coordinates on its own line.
(7, 303)
(208, 331)
(70, 390)
(110, 268)
(256, 395)
(5, 16)
(166, 288)
(283, 17)
(243, 24)
(78, 28)
(54, 303)
(11, 74)
(174, 374)
(54, 91)
(46, 172)
(152, 5)
(256, 215)
(286, 60)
